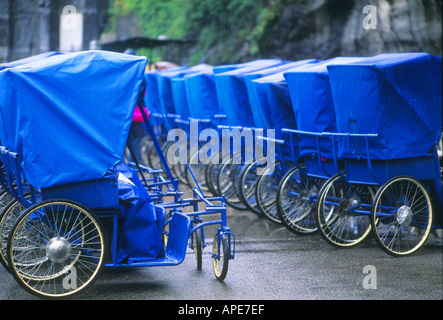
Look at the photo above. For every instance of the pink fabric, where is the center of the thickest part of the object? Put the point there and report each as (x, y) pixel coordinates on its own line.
(138, 117)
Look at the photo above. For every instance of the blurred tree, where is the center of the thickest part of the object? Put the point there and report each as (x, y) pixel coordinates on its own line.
(213, 23)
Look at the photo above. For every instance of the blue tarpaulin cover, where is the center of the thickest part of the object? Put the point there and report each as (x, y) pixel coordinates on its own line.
(398, 96)
(69, 115)
(232, 93)
(178, 89)
(165, 100)
(269, 97)
(229, 67)
(271, 103)
(179, 97)
(139, 236)
(201, 95)
(20, 62)
(312, 102)
(201, 91)
(152, 98)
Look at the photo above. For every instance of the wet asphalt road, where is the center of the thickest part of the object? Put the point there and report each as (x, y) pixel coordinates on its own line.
(271, 263)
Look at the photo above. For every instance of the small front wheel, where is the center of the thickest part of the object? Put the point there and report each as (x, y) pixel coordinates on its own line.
(220, 256)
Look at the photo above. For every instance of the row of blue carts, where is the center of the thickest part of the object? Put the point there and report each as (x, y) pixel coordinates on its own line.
(347, 147)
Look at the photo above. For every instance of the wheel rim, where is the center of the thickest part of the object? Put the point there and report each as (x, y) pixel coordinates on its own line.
(56, 249)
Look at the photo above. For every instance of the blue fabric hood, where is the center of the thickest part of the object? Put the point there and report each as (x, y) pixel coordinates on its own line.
(69, 115)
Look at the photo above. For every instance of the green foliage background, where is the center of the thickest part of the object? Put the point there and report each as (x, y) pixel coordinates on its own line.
(224, 28)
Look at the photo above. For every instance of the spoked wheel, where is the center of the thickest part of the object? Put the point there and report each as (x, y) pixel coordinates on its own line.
(297, 201)
(267, 189)
(343, 212)
(227, 181)
(220, 256)
(8, 217)
(5, 199)
(56, 249)
(197, 245)
(165, 149)
(247, 186)
(401, 216)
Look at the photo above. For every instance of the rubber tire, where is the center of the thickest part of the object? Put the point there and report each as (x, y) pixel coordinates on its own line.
(4, 233)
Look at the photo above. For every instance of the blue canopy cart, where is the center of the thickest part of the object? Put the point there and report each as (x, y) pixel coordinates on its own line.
(314, 113)
(64, 127)
(389, 120)
(211, 106)
(272, 110)
(233, 97)
(205, 110)
(175, 113)
(161, 104)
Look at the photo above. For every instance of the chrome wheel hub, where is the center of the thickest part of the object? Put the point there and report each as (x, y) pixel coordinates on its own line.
(404, 215)
(58, 249)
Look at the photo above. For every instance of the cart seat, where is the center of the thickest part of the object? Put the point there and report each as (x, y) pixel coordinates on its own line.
(176, 247)
(177, 241)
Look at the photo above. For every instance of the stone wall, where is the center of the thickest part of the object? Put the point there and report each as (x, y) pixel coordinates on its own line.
(327, 28)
